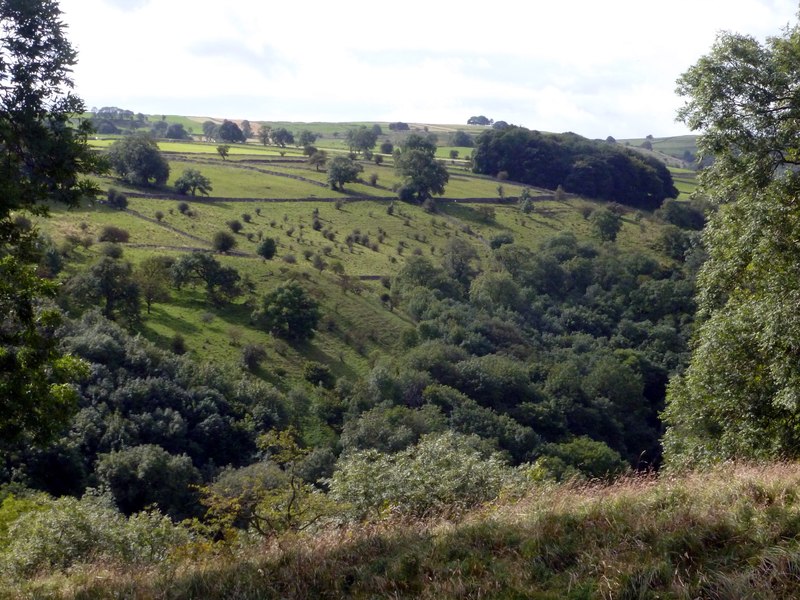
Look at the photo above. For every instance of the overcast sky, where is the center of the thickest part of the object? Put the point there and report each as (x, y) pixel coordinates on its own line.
(595, 68)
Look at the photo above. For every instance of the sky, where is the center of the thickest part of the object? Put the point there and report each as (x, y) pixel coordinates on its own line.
(594, 68)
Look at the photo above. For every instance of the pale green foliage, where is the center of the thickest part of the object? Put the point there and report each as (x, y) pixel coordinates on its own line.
(442, 473)
(59, 533)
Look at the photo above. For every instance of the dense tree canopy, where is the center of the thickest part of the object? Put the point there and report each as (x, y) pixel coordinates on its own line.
(740, 397)
(581, 166)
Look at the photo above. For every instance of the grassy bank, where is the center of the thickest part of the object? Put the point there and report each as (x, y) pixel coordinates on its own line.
(729, 533)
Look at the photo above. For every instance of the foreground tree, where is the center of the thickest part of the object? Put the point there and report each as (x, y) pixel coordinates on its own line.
(740, 396)
(41, 159)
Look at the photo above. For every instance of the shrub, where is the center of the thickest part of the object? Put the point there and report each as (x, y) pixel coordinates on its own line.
(235, 225)
(59, 534)
(252, 356)
(111, 233)
(319, 374)
(223, 241)
(183, 207)
(159, 216)
(442, 473)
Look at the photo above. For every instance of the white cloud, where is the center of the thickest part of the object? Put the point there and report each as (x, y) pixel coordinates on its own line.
(580, 65)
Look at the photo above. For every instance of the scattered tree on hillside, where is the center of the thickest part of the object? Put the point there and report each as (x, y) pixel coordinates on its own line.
(137, 159)
(398, 126)
(267, 248)
(176, 132)
(288, 312)
(306, 138)
(223, 241)
(110, 283)
(361, 139)
(318, 159)
(221, 283)
(223, 150)
(152, 275)
(247, 130)
(193, 181)
(462, 139)
(230, 133)
(605, 224)
(210, 130)
(342, 170)
(281, 137)
(264, 134)
(421, 173)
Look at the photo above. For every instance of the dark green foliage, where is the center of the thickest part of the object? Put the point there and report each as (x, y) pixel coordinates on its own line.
(143, 475)
(500, 239)
(113, 234)
(175, 131)
(193, 181)
(221, 283)
(361, 139)
(223, 241)
(141, 409)
(42, 155)
(318, 374)
(686, 215)
(581, 166)
(137, 159)
(342, 170)
(421, 173)
(288, 312)
(230, 132)
(605, 224)
(252, 356)
(109, 283)
(281, 137)
(267, 248)
(116, 199)
(462, 139)
(35, 392)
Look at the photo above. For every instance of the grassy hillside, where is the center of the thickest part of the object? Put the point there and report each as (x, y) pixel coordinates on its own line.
(274, 196)
(728, 533)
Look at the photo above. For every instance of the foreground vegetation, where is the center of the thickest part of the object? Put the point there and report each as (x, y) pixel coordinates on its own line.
(730, 532)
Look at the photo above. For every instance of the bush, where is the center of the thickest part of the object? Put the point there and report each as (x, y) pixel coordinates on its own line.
(319, 374)
(252, 355)
(58, 534)
(235, 225)
(110, 233)
(183, 207)
(442, 473)
(223, 241)
(267, 248)
(116, 199)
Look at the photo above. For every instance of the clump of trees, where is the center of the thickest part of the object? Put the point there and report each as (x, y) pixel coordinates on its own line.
(581, 166)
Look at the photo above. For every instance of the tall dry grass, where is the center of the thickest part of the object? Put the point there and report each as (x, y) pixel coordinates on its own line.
(731, 532)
